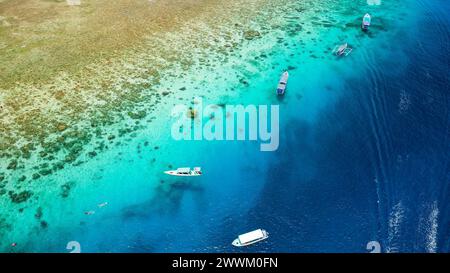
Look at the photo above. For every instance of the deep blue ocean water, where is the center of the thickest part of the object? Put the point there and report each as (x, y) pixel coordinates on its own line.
(381, 164)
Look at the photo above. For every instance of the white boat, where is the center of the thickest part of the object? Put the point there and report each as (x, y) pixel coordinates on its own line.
(282, 83)
(251, 237)
(366, 21)
(342, 50)
(185, 172)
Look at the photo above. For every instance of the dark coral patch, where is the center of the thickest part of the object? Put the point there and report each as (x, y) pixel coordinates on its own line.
(65, 189)
(20, 197)
(44, 224)
(38, 214)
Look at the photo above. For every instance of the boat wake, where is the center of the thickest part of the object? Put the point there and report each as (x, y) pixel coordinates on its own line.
(428, 227)
(396, 218)
(404, 103)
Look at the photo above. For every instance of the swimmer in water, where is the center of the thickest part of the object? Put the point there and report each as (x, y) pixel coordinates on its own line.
(14, 244)
(89, 212)
(102, 204)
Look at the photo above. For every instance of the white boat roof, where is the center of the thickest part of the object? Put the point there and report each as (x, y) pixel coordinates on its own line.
(183, 170)
(251, 236)
(343, 46)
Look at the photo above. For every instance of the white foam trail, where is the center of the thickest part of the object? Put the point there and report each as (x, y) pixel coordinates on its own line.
(395, 220)
(432, 229)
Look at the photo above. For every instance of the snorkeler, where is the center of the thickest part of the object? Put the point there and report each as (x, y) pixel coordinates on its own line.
(89, 212)
(102, 204)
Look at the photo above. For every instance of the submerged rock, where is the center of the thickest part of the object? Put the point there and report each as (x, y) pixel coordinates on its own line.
(61, 127)
(251, 34)
(44, 224)
(36, 176)
(12, 165)
(70, 158)
(244, 82)
(65, 189)
(20, 197)
(45, 172)
(139, 115)
(59, 95)
(38, 214)
(26, 151)
(58, 166)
